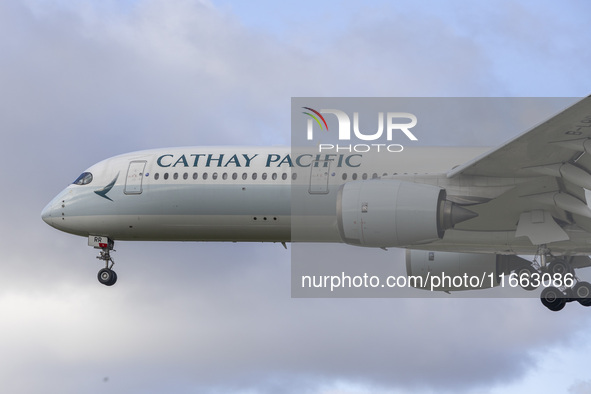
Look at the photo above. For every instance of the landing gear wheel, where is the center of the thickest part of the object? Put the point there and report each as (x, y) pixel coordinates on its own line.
(553, 299)
(107, 277)
(582, 293)
(559, 267)
(524, 275)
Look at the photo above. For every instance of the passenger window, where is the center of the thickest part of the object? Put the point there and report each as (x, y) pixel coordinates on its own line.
(166, 175)
(204, 176)
(254, 176)
(224, 176)
(175, 176)
(354, 176)
(84, 179)
(294, 176)
(194, 175)
(374, 176)
(344, 176)
(185, 175)
(244, 175)
(284, 176)
(214, 176)
(234, 176)
(264, 176)
(156, 176)
(274, 176)
(364, 176)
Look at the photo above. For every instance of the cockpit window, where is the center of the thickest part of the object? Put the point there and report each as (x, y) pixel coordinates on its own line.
(84, 179)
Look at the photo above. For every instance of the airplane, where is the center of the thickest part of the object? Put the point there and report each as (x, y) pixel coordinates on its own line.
(461, 210)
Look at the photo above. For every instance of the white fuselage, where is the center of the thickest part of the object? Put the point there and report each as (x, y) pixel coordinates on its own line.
(258, 194)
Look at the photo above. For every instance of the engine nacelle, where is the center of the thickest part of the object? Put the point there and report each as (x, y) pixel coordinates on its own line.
(383, 213)
(442, 271)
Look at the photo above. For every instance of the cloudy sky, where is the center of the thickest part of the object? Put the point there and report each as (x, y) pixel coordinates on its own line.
(84, 80)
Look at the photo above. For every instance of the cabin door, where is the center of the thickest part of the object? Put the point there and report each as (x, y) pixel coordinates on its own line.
(135, 176)
(319, 177)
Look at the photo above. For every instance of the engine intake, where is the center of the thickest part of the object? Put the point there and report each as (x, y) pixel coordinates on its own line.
(392, 213)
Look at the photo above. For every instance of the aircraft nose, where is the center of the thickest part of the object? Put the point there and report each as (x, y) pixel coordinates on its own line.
(46, 214)
(53, 213)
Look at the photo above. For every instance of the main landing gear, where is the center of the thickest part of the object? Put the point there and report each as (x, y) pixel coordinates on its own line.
(560, 283)
(555, 298)
(106, 276)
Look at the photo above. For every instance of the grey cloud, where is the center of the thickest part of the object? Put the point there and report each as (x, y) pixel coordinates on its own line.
(580, 387)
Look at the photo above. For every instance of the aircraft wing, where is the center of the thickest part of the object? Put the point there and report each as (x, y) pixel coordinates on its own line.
(559, 139)
(550, 167)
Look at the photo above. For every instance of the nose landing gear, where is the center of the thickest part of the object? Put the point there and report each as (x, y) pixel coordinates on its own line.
(106, 276)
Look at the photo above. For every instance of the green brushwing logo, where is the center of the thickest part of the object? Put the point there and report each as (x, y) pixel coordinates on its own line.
(103, 192)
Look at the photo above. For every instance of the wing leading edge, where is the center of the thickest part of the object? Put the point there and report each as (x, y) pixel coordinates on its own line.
(559, 139)
(550, 169)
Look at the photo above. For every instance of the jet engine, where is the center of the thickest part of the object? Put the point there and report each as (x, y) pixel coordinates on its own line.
(392, 213)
